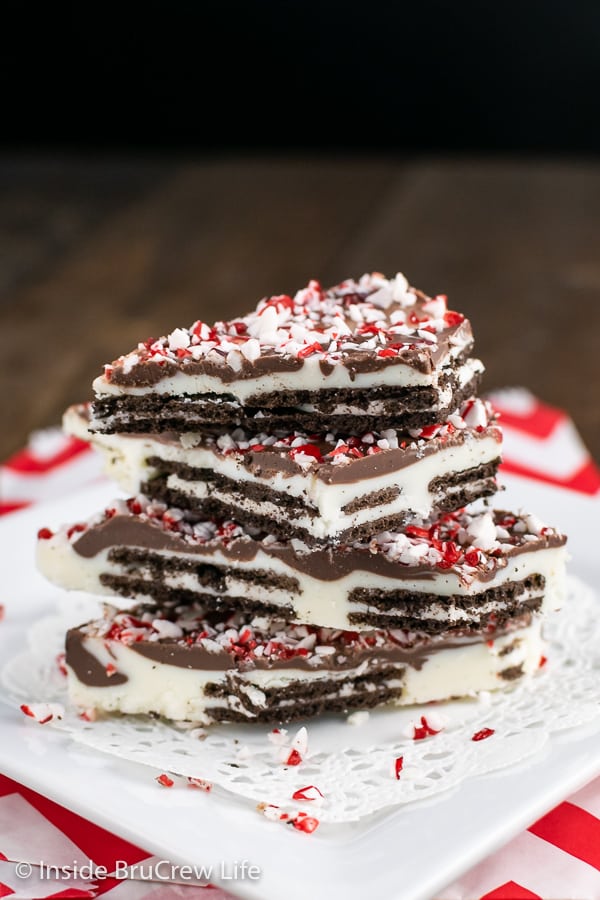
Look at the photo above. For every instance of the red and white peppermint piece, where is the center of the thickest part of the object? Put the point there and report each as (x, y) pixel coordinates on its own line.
(164, 780)
(291, 753)
(43, 712)
(60, 663)
(311, 792)
(270, 811)
(179, 339)
(306, 823)
(293, 758)
(299, 820)
(200, 784)
(300, 741)
(425, 728)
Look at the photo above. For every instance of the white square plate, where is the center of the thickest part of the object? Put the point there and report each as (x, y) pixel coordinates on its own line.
(410, 852)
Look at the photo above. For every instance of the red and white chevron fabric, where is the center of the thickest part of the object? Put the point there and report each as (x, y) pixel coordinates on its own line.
(541, 442)
(556, 858)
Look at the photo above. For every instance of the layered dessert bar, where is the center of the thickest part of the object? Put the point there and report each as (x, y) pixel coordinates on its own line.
(314, 487)
(460, 568)
(189, 665)
(306, 530)
(364, 355)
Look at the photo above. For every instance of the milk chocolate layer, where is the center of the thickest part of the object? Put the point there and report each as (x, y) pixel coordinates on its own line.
(347, 656)
(356, 349)
(324, 563)
(85, 665)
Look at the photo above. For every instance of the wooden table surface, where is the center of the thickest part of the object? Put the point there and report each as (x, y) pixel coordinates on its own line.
(98, 254)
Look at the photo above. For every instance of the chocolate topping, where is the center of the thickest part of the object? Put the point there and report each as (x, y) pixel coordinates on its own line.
(323, 563)
(190, 653)
(85, 665)
(364, 326)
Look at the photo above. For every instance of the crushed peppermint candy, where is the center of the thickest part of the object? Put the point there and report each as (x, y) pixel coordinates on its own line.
(299, 820)
(384, 317)
(306, 823)
(183, 781)
(398, 766)
(290, 751)
(164, 780)
(311, 792)
(43, 712)
(247, 638)
(467, 542)
(483, 734)
(298, 749)
(311, 450)
(60, 664)
(428, 726)
(199, 784)
(272, 812)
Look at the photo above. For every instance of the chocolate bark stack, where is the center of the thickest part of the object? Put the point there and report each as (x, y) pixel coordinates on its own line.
(297, 539)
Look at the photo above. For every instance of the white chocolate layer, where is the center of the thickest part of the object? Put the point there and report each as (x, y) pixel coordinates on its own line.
(312, 379)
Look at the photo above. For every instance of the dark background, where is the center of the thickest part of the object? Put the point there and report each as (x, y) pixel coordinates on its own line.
(492, 77)
(163, 162)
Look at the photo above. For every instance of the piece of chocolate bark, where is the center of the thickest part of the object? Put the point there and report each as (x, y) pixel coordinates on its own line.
(315, 487)
(190, 665)
(460, 568)
(367, 354)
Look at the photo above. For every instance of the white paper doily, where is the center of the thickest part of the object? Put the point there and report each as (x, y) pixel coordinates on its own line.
(352, 765)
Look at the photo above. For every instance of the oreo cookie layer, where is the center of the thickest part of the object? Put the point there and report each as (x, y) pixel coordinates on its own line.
(339, 410)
